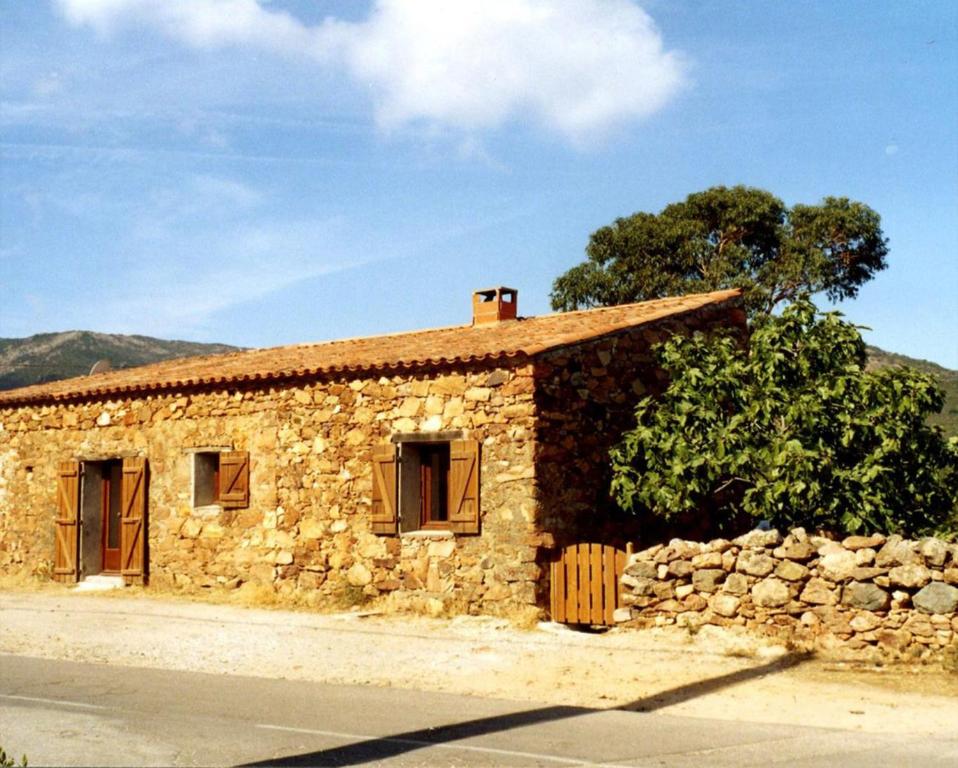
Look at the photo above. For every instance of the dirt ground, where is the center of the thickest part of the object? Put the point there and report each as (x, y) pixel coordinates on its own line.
(711, 674)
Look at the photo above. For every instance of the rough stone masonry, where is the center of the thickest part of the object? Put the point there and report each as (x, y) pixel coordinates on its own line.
(888, 593)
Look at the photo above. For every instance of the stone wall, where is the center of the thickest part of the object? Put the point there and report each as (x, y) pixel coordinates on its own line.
(585, 399)
(895, 595)
(306, 534)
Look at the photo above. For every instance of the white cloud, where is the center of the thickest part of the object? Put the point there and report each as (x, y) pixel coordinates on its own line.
(577, 67)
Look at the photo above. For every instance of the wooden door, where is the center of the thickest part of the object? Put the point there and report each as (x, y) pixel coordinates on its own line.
(111, 480)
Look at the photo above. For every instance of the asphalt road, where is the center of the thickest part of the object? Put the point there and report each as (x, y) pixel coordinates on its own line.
(67, 713)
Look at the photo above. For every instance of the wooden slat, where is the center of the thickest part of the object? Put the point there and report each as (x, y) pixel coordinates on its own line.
(558, 590)
(571, 561)
(583, 606)
(595, 579)
(610, 586)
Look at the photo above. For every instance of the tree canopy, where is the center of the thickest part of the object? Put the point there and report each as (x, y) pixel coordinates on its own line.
(790, 428)
(729, 237)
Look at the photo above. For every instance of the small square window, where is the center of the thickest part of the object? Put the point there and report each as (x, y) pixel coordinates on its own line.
(221, 477)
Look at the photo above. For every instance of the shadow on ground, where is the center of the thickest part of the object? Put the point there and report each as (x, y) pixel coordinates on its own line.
(384, 747)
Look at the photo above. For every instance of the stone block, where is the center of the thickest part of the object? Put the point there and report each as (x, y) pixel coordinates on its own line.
(708, 579)
(935, 551)
(937, 597)
(796, 550)
(639, 585)
(819, 592)
(791, 571)
(864, 557)
(863, 542)
(897, 551)
(920, 626)
(865, 596)
(684, 590)
(724, 604)
(694, 602)
(770, 593)
(735, 584)
(358, 575)
(758, 539)
(754, 563)
(641, 569)
(837, 564)
(865, 622)
(891, 639)
(707, 560)
(663, 590)
(909, 576)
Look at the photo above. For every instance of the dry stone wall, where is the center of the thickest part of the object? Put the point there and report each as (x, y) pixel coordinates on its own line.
(891, 594)
(305, 535)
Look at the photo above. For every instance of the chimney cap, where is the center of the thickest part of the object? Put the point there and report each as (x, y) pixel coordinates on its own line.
(490, 293)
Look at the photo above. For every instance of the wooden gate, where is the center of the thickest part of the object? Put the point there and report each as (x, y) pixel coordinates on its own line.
(585, 583)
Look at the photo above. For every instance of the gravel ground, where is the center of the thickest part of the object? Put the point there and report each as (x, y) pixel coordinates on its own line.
(712, 674)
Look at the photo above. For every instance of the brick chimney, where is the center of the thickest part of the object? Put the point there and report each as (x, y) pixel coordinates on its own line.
(494, 305)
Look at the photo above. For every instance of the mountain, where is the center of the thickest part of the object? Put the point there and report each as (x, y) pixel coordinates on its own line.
(947, 379)
(52, 356)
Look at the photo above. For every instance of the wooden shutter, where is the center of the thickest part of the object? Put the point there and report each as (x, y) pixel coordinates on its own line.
(66, 549)
(464, 486)
(234, 479)
(133, 520)
(385, 517)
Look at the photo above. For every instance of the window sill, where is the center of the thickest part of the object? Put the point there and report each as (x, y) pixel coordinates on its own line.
(207, 510)
(427, 533)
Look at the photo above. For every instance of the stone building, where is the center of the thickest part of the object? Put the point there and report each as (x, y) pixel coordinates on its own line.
(433, 469)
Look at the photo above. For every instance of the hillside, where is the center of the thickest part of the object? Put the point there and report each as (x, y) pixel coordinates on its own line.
(52, 356)
(948, 379)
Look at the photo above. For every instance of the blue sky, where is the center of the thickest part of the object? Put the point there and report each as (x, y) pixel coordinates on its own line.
(262, 173)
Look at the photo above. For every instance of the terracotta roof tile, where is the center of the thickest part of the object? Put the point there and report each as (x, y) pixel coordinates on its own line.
(440, 346)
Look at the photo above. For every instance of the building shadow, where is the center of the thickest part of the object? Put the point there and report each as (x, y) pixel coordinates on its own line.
(384, 747)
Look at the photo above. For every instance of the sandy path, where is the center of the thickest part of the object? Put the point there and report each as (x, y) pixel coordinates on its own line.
(712, 674)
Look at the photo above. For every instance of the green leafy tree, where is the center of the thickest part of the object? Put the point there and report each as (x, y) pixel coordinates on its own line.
(789, 428)
(729, 237)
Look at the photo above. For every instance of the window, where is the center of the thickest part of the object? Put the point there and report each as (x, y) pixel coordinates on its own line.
(221, 477)
(422, 483)
(424, 486)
